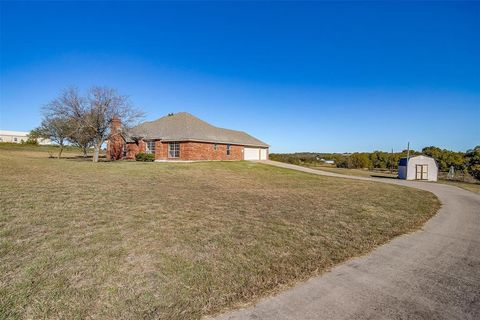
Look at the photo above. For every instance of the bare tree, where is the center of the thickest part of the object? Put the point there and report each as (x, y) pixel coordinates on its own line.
(59, 122)
(81, 135)
(90, 118)
(56, 129)
(105, 105)
(68, 105)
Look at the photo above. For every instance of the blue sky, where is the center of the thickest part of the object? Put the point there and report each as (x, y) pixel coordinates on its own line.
(326, 77)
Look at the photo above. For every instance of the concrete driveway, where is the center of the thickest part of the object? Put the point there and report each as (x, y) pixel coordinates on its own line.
(430, 274)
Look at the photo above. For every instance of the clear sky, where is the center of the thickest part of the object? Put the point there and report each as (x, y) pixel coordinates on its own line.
(325, 77)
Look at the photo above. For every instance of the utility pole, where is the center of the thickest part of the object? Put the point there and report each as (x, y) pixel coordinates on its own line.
(391, 162)
(408, 156)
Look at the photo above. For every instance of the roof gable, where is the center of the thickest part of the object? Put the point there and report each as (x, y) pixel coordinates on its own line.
(185, 127)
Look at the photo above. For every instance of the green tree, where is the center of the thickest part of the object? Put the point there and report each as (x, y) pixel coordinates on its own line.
(342, 161)
(360, 161)
(473, 162)
(33, 136)
(446, 158)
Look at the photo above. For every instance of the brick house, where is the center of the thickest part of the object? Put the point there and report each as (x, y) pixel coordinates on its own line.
(182, 136)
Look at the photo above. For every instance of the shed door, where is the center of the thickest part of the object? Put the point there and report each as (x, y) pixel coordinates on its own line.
(421, 172)
(251, 153)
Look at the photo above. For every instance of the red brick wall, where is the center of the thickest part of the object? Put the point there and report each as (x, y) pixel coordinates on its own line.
(205, 151)
(190, 150)
(161, 150)
(134, 148)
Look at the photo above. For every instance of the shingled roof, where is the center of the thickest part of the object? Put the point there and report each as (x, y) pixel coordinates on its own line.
(183, 126)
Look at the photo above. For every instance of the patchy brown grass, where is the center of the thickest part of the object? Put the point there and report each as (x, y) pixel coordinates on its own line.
(470, 186)
(356, 172)
(474, 187)
(129, 240)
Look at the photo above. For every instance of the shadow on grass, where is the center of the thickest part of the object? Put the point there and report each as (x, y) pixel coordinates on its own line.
(384, 177)
(78, 158)
(88, 158)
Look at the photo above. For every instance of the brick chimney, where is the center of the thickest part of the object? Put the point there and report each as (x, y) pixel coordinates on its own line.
(115, 143)
(115, 125)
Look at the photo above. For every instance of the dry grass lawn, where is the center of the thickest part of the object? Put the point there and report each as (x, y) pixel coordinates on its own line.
(129, 240)
(356, 172)
(474, 187)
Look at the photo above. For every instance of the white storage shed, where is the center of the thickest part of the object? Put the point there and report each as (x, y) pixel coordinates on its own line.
(418, 168)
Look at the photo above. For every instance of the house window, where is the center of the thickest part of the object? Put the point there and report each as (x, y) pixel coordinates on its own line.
(174, 150)
(228, 149)
(15, 139)
(151, 146)
(215, 147)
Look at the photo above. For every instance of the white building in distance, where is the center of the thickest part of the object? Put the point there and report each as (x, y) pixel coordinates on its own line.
(19, 137)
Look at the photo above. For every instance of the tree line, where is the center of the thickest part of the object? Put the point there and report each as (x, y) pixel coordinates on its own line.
(84, 120)
(461, 161)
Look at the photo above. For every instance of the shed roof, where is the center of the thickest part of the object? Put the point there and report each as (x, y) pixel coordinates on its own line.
(404, 161)
(183, 126)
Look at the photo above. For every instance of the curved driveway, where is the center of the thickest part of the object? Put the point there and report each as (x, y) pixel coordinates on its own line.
(429, 274)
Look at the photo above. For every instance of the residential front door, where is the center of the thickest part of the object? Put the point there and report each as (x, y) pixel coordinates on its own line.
(421, 172)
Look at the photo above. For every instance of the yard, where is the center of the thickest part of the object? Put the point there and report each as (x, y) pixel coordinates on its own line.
(356, 172)
(130, 240)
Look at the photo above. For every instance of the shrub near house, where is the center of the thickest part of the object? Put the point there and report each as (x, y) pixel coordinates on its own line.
(145, 157)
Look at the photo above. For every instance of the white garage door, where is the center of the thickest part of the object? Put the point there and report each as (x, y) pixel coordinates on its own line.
(251, 154)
